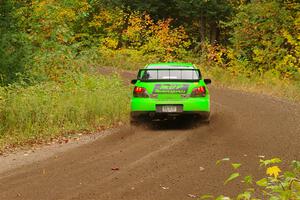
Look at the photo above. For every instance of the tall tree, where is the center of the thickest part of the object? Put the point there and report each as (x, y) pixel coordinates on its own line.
(206, 15)
(203, 15)
(12, 52)
(266, 33)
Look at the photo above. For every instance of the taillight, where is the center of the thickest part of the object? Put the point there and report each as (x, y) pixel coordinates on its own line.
(199, 92)
(140, 92)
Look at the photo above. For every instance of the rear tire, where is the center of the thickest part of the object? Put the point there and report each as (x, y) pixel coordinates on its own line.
(137, 121)
(203, 118)
(206, 118)
(134, 123)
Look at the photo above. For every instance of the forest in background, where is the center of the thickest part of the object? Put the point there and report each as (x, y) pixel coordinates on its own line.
(48, 47)
(39, 36)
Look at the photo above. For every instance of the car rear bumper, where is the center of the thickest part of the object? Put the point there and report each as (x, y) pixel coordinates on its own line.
(139, 115)
(189, 105)
(151, 113)
(145, 108)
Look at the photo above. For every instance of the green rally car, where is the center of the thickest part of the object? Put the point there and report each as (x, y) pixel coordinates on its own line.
(169, 90)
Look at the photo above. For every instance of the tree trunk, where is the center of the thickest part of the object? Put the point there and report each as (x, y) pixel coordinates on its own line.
(214, 32)
(202, 28)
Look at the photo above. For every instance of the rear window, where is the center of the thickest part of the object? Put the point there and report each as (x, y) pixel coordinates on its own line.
(169, 74)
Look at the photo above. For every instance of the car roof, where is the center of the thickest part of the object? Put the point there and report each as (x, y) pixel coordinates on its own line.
(170, 65)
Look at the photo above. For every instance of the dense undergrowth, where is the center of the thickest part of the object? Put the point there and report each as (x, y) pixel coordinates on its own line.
(82, 102)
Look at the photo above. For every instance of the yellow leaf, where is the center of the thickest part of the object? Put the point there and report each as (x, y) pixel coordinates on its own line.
(273, 171)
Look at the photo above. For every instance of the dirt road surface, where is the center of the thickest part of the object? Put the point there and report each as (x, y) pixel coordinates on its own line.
(175, 160)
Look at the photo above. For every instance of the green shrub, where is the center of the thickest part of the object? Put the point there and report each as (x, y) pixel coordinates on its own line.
(78, 102)
(266, 33)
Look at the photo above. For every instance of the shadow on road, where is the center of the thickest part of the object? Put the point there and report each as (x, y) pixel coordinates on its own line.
(186, 123)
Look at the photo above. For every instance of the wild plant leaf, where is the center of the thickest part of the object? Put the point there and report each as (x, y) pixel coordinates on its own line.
(222, 197)
(296, 165)
(262, 182)
(207, 196)
(236, 165)
(222, 160)
(252, 190)
(244, 196)
(248, 179)
(274, 198)
(232, 177)
(271, 161)
(296, 186)
(289, 174)
(277, 188)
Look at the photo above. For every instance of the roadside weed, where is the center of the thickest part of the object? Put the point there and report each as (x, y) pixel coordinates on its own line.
(276, 185)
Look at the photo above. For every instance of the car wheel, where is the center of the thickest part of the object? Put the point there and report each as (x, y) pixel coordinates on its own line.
(206, 118)
(134, 123)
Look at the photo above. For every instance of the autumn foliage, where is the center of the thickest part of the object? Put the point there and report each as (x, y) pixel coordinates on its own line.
(135, 30)
(241, 37)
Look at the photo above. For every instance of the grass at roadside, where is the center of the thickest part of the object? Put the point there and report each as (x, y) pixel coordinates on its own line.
(78, 102)
(265, 84)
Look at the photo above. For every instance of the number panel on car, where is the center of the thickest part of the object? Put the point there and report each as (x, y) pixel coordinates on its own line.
(169, 108)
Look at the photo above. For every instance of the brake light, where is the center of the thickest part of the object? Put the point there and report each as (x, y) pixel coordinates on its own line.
(199, 92)
(140, 92)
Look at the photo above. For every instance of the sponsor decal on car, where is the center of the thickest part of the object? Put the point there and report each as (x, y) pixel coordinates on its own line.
(171, 88)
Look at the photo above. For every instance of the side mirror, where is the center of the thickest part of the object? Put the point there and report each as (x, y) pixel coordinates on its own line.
(207, 81)
(133, 81)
